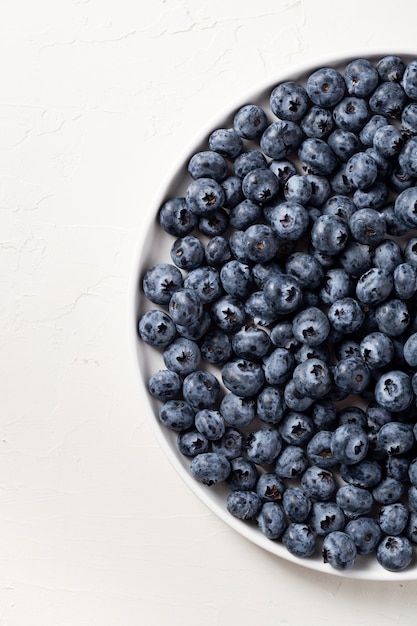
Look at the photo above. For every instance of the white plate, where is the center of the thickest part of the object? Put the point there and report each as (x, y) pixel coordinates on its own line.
(153, 247)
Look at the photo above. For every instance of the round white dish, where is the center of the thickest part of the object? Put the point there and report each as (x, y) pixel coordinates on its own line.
(153, 247)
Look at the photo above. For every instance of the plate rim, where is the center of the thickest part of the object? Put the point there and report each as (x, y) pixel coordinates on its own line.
(291, 72)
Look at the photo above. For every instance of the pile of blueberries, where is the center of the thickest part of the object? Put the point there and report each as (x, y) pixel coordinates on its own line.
(287, 317)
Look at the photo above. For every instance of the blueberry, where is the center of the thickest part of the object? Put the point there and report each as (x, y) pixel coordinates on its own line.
(283, 169)
(311, 326)
(346, 315)
(243, 475)
(367, 226)
(354, 501)
(405, 280)
(410, 252)
(388, 140)
(395, 437)
(339, 205)
(176, 414)
(175, 217)
(326, 517)
(296, 504)
(160, 282)
(318, 450)
(207, 164)
(233, 194)
(270, 405)
(390, 68)
(320, 189)
(351, 113)
(344, 143)
(317, 122)
(283, 293)
(251, 342)
(263, 445)
(365, 474)
(226, 141)
(217, 251)
(243, 504)
(407, 156)
(261, 243)
(289, 101)
(299, 540)
(204, 196)
(291, 462)
(317, 157)
(394, 553)
(185, 306)
(405, 207)
(214, 224)
(329, 234)
(247, 161)
(238, 411)
(191, 443)
(410, 530)
(278, 366)
(388, 490)
(339, 550)
(349, 444)
(244, 214)
(409, 118)
(312, 378)
(325, 87)
(392, 317)
(280, 139)
(216, 347)
(294, 399)
(228, 313)
(201, 389)
(410, 350)
(260, 309)
(270, 487)
(289, 220)
(361, 77)
(351, 414)
(304, 352)
(296, 428)
(374, 286)
(210, 423)
(388, 255)
(388, 99)
(165, 385)
(231, 444)
(393, 391)
(361, 170)
(236, 278)
(352, 375)
(365, 533)
(336, 284)
(271, 520)
(243, 377)
(318, 483)
(182, 356)
(409, 80)
(281, 335)
(260, 185)
(250, 121)
(393, 518)
(377, 350)
(156, 328)
(305, 268)
(298, 189)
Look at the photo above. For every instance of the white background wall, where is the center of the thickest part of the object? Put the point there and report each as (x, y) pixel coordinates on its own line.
(96, 99)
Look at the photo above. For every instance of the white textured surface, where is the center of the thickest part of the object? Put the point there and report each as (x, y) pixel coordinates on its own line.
(96, 99)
